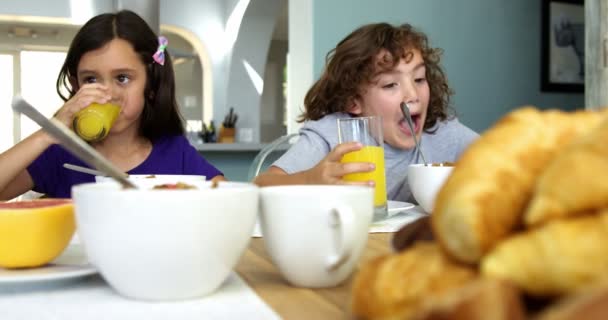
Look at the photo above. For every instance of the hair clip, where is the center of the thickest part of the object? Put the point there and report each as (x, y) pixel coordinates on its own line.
(159, 55)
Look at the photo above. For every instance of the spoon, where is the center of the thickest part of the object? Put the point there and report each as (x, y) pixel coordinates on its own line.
(406, 112)
(83, 169)
(71, 142)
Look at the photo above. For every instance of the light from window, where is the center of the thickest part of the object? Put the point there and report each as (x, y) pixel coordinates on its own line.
(39, 71)
(6, 95)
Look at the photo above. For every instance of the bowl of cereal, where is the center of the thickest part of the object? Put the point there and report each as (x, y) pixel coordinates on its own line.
(165, 243)
(425, 181)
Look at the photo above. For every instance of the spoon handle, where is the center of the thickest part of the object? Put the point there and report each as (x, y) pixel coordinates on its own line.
(408, 117)
(83, 169)
(70, 141)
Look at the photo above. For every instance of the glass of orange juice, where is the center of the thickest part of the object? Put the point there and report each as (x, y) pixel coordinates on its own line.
(367, 131)
(95, 121)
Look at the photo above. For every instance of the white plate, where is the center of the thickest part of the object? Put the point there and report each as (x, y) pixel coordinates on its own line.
(398, 206)
(71, 263)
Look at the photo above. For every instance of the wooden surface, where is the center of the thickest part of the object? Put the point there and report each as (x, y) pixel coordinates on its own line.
(290, 302)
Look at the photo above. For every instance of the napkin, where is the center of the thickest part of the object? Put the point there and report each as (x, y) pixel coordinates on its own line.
(391, 224)
(395, 222)
(91, 298)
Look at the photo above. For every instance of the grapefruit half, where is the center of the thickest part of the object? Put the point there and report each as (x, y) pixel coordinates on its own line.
(34, 232)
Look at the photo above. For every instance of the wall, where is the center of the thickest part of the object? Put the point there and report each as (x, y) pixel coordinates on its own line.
(206, 20)
(492, 48)
(248, 65)
(236, 165)
(60, 9)
(271, 107)
(188, 80)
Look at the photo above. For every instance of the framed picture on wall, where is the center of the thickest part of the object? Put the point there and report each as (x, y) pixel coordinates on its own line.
(563, 46)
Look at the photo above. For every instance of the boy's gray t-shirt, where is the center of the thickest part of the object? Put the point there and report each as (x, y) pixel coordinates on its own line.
(318, 138)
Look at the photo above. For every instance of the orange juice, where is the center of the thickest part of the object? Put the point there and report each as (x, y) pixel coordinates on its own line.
(374, 155)
(95, 121)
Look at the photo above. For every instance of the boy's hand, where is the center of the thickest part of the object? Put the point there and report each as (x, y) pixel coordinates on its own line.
(330, 170)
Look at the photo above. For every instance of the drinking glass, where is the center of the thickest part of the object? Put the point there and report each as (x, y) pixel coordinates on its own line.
(95, 121)
(368, 132)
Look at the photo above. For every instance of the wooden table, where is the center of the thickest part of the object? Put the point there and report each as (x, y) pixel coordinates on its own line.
(300, 303)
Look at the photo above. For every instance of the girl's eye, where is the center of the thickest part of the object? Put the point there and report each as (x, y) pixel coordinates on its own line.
(390, 85)
(123, 78)
(420, 80)
(90, 79)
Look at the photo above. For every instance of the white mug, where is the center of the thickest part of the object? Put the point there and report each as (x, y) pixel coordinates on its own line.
(315, 234)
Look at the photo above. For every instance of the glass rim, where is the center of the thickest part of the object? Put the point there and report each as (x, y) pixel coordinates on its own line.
(360, 118)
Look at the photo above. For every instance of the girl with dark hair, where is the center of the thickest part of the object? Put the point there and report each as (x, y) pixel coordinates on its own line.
(117, 58)
(371, 72)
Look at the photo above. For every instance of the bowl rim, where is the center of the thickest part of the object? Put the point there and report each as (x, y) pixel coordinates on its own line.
(314, 187)
(143, 177)
(422, 165)
(111, 187)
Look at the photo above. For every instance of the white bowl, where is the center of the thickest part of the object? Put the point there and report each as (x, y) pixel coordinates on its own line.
(425, 183)
(165, 244)
(149, 180)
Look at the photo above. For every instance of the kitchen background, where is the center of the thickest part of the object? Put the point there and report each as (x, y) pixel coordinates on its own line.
(260, 57)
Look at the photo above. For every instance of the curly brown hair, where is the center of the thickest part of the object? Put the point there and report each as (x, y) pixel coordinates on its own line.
(353, 64)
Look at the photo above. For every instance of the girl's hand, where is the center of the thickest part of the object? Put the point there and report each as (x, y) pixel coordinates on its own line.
(87, 94)
(330, 170)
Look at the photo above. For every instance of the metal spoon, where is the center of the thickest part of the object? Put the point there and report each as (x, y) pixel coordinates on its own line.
(70, 141)
(83, 169)
(406, 113)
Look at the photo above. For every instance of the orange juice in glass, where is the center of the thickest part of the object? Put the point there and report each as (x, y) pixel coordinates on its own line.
(95, 121)
(367, 131)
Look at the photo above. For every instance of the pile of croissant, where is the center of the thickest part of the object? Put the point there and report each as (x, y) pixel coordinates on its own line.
(520, 230)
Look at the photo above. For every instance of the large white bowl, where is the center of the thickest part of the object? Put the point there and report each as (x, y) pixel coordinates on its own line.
(425, 183)
(165, 244)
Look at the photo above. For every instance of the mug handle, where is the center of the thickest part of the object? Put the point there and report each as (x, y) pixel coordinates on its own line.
(342, 224)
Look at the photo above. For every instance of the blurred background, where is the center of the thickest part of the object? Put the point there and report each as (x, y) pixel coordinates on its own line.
(261, 56)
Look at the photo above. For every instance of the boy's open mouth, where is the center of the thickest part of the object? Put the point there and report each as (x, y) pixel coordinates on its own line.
(415, 122)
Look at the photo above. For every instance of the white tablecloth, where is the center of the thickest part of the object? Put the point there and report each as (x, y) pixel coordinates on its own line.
(91, 298)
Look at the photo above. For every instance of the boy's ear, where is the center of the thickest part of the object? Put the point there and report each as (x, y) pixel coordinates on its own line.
(354, 106)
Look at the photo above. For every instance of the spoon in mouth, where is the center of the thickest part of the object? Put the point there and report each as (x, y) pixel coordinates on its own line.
(408, 117)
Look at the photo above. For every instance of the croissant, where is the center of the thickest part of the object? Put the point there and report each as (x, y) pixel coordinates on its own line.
(557, 258)
(575, 181)
(396, 286)
(484, 198)
(589, 304)
(481, 299)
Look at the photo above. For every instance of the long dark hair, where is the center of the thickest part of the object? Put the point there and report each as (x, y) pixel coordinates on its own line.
(160, 115)
(353, 64)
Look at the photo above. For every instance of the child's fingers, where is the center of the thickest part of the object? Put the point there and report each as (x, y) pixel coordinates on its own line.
(79, 101)
(92, 93)
(340, 150)
(86, 100)
(93, 86)
(355, 167)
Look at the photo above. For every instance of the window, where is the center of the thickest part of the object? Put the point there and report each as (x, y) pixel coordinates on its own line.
(6, 95)
(39, 70)
(36, 83)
